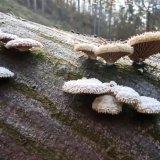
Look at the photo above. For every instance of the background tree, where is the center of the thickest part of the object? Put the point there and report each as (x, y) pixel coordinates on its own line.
(111, 19)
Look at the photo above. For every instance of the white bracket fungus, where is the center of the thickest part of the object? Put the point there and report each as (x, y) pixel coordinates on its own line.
(148, 105)
(23, 44)
(126, 94)
(106, 104)
(116, 95)
(5, 37)
(145, 45)
(87, 86)
(5, 73)
(113, 51)
(89, 49)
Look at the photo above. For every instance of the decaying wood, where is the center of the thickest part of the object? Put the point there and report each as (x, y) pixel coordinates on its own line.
(40, 122)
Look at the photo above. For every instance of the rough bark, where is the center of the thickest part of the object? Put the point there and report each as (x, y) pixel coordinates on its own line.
(38, 121)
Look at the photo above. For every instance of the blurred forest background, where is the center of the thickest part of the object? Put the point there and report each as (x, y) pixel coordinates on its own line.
(111, 19)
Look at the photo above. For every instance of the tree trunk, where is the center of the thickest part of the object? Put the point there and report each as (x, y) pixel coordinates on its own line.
(109, 20)
(78, 5)
(35, 5)
(148, 21)
(95, 16)
(83, 6)
(28, 3)
(38, 121)
(100, 16)
(43, 6)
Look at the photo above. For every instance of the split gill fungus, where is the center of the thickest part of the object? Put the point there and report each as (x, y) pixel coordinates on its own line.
(88, 49)
(144, 45)
(23, 44)
(112, 96)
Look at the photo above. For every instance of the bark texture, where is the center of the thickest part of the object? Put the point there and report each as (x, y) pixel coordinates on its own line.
(40, 122)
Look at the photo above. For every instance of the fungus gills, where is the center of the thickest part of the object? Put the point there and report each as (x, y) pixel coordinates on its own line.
(23, 44)
(5, 73)
(144, 45)
(113, 52)
(106, 104)
(89, 49)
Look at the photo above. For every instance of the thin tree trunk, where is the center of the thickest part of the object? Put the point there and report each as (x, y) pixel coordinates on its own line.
(28, 3)
(148, 21)
(84, 6)
(89, 7)
(95, 17)
(99, 19)
(78, 5)
(43, 6)
(35, 5)
(109, 21)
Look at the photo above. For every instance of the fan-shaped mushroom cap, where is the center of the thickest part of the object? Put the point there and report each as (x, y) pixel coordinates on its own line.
(148, 105)
(144, 45)
(89, 49)
(23, 44)
(106, 104)
(5, 73)
(126, 94)
(5, 37)
(113, 51)
(87, 86)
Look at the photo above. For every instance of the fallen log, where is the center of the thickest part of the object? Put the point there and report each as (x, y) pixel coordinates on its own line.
(39, 121)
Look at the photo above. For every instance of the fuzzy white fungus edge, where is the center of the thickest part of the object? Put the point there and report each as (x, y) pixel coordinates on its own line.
(4, 36)
(126, 94)
(114, 47)
(145, 37)
(23, 42)
(85, 47)
(88, 86)
(148, 105)
(5, 73)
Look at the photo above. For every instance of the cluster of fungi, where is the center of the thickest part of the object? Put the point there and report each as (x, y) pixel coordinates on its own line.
(20, 44)
(137, 48)
(112, 96)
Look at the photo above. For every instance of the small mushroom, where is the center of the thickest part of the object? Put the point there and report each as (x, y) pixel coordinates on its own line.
(144, 45)
(126, 95)
(148, 105)
(113, 51)
(89, 49)
(5, 73)
(85, 86)
(5, 37)
(23, 44)
(106, 104)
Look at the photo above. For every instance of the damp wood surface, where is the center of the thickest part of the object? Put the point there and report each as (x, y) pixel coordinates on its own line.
(38, 121)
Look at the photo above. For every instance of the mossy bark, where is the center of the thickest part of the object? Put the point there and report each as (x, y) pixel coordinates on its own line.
(39, 121)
